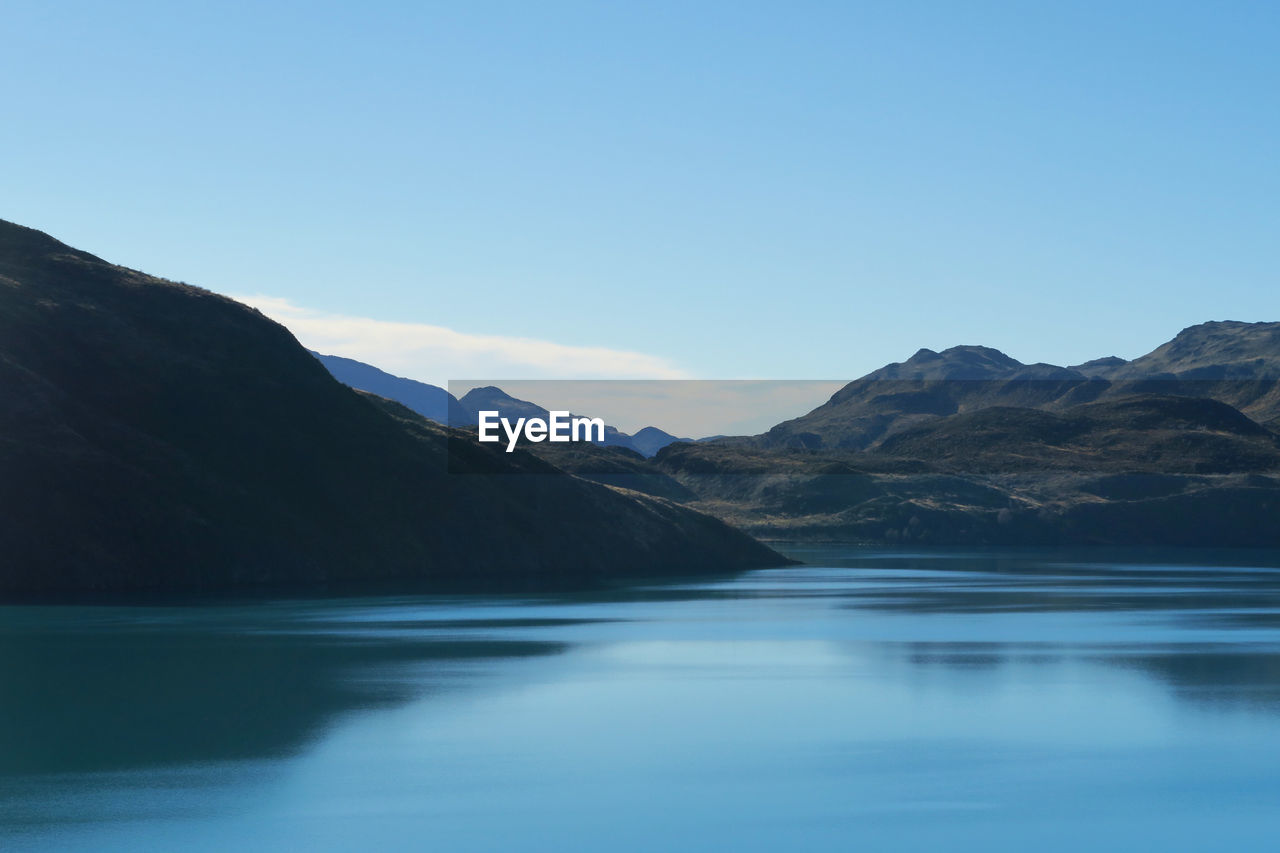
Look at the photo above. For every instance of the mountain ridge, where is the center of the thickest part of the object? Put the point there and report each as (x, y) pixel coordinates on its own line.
(158, 436)
(1230, 361)
(430, 401)
(970, 447)
(492, 398)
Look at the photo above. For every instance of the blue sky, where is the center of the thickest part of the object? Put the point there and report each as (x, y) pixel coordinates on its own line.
(753, 190)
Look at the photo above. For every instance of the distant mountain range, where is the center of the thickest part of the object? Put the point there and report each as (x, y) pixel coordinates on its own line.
(491, 399)
(427, 400)
(650, 440)
(969, 446)
(442, 407)
(155, 436)
(1235, 363)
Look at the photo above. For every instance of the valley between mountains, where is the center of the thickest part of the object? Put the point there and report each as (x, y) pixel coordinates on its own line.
(158, 437)
(971, 447)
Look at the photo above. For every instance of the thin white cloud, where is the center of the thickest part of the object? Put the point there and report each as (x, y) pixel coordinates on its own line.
(457, 361)
(437, 354)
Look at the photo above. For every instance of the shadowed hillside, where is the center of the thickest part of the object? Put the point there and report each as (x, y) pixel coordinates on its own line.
(155, 435)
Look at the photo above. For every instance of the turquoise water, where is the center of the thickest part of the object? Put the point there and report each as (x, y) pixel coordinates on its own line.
(873, 700)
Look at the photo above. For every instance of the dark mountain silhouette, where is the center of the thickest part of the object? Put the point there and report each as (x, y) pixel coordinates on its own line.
(157, 436)
(429, 401)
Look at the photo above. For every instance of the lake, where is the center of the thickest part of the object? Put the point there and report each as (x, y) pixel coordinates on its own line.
(870, 699)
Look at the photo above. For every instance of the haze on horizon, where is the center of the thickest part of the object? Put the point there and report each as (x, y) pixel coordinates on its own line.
(710, 190)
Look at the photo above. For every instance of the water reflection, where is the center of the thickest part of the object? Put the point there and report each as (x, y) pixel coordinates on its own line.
(101, 691)
(1231, 678)
(869, 699)
(1203, 625)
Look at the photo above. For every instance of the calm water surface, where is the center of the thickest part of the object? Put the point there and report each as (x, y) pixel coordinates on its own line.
(872, 700)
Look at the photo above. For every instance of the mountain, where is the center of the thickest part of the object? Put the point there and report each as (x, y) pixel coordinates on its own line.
(1140, 433)
(962, 362)
(614, 466)
(1104, 366)
(492, 399)
(427, 400)
(1235, 363)
(1211, 351)
(158, 436)
(649, 440)
(1136, 471)
(646, 441)
(970, 447)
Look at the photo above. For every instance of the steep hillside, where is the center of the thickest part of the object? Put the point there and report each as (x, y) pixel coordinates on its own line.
(155, 435)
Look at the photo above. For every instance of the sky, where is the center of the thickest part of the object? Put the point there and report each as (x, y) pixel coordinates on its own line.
(709, 190)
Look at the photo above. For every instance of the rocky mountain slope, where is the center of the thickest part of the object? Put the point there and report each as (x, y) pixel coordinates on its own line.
(969, 446)
(1234, 363)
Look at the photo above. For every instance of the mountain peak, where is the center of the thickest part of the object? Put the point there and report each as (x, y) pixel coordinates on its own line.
(650, 440)
(958, 362)
(1236, 330)
(154, 436)
(429, 401)
(978, 350)
(1219, 349)
(1100, 367)
(1229, 325)
(491, 396)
